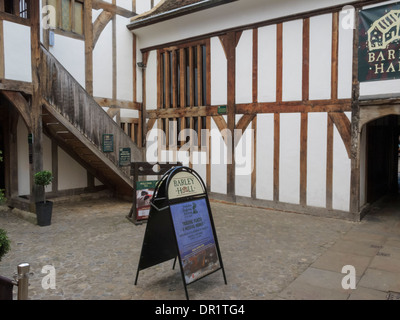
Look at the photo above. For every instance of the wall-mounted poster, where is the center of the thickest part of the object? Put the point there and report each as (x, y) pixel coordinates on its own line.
(124, 156)
(108, 142)
(195, 238)
(144, 193)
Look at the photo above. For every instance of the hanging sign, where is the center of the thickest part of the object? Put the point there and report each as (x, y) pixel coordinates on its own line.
(180, 226)
(379, 43)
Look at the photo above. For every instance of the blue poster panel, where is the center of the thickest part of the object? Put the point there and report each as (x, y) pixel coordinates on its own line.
(195, 237)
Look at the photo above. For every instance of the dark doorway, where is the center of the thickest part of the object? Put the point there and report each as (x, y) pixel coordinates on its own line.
(382, 157)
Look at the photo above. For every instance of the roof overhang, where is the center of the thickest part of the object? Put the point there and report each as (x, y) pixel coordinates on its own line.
(171, 14)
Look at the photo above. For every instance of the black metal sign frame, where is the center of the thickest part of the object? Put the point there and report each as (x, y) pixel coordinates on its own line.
(179, 225)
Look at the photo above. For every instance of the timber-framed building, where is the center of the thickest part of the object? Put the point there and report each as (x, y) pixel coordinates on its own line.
(284, 74)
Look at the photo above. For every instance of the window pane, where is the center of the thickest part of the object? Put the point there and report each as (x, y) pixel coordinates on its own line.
(66, 15)
(53, 18)
(78, 15)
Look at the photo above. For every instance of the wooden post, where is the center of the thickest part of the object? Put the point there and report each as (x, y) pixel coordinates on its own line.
(355, 130)
(36, 102)
(88, 29)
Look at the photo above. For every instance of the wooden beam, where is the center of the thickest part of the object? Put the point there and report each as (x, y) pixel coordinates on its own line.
(279, 57)
(98, 26)
(335, 54)
(20, 103)
(16, 85)
(116, 103)
(342, 123)
(112, 8)
(303, 159)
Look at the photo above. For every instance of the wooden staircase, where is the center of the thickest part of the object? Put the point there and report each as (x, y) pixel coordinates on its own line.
(74, 119)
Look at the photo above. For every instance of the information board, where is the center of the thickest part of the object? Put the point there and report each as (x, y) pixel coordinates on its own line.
(195, 239)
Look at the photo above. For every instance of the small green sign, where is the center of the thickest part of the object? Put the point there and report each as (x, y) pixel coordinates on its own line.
(222, 110)
(124, 156)
(108, 142)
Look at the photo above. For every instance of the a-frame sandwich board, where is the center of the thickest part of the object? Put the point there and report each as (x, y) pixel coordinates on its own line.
(180, 225)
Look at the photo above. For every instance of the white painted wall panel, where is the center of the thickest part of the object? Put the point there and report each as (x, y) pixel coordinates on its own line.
(316, 159)
(47, 158)
(244, 162)
(345, 60)
(23, 159)
(199, 160)
(267, 64)
(341, 174)
(218, 73)
(71, 54)
(218, 161)
(265, 156)
(102, 64)
(151, 81)
(17, 52)
(320, 56)
(71, 174)
(124, 60)
(292, 60)
(289, 158)
(244, 67)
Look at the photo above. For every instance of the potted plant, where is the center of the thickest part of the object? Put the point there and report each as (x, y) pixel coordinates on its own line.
(4, 243)
(43, 208)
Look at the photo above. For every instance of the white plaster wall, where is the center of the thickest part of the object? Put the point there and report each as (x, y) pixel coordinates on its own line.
(237, 13)
(345, 60)
(199, 160)
(23, 159)
(17, 52)
(244, 162)
(102, 64)
(151, 81)
(47, 162)
(70, 173)
(341, 174)
(320, 56)
(124, 59)
(265, 156)
(244, 67)
(126, 4)
(292, 62)
(142, 6)
(218, 161)
(71, 54)
(151, 145)
(267, 64)
(218, 73)
(289, 158)
(316, 159)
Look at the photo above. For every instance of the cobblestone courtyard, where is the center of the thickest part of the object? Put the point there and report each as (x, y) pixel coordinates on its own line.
(95, 251)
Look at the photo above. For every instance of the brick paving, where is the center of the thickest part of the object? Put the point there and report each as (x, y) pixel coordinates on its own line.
(267, 254)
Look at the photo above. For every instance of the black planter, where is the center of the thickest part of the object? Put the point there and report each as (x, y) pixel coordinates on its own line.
(43, 213)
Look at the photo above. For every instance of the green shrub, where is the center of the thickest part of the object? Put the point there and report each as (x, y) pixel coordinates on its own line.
(4, 243)
(43, 178)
